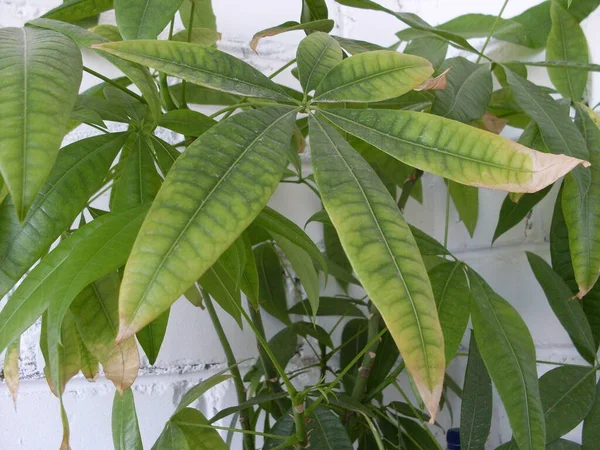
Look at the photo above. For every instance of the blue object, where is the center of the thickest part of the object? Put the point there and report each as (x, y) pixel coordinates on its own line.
(453, 439)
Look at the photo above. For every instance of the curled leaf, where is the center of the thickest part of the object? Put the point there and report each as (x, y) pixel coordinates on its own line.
(433, 84)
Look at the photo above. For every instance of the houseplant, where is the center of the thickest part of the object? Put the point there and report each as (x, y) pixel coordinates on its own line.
(191, 218)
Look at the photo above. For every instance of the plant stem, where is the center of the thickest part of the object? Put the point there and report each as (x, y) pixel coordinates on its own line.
(388, 380)
(235, 371)
(113, 83)
(369, 357)
(162, 81)
(489, 36)
(282, 68)
(239, 105)
(408, 187)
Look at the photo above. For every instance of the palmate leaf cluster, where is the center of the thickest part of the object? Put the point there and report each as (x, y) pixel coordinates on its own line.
(190, 218)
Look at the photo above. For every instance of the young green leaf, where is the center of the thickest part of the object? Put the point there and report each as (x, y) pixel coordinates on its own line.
(325, 25)
(79, 171)
(477, 403)
(582, 212)
(569, 313)
(205, 66)
(41, 73)
(567, 394)
(435, 144)
(125, 428)
(197, 391)
(76, 10)
(509, 355)
(591, 425)
(144, 19)
(372, 77)
(152, 335)
(317, 54)
(384, 255)
(567, 42)
(313, 10)
(222, 181)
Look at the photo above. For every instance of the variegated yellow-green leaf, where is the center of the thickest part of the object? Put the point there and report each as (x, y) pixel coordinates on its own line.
(317, 54)
(582, 213)
(384, 255)
(373, 76)
(454, 150)
(41, 72)
(211, 194)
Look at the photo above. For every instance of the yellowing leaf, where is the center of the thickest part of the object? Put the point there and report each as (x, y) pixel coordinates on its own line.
(122, 365)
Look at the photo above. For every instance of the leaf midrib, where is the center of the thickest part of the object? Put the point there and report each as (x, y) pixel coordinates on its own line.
(566, 394)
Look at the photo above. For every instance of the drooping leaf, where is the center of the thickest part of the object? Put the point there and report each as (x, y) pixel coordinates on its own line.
(384, 255)
(476, 407)
(197, 391)
(317, 54)
(76, 10)
(567, 42)
(432, 49)
(591, 425)
(186, 122)
(125, 428)
(89, 363)
(79, 171)
(468, 92)
(509, 355)
(41, 73)
(466, 201)
(325, 25)
(89, 253)
(205, 66)
(567, 394)
(452, 297)
(11, 368)
(122, 365)
(151, 336)
(144, 19)
(569, 312)
(582, 212)
(435, 144)
(328, 306)
(373, 76)
(223, 180)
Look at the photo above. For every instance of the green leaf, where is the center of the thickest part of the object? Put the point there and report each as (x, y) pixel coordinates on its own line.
(41, 73)
(325, 25)
(76, 10)
(125, 428)
(468, 92)
(105, 109)
(110, 32)
(223, 180)
(164, 152)
(328, 306)
(204, 17)
(558, 132)
(283, 345)
(354, 46)
(563, 444)
(137, 181)
(335, 254)
(567, 394)
(272, 294)
(512, 213)
(221, 286)
(79, 171)
(201, 95)
(567, 42)
(568, 312)
(354, 339)
(582, 212)
(88, 254)
(384, 255)
(591, 425)
(186, 122)
(200, 65)
(317, 54)
(200, 389)
(562, 65)
(306, 329)
(509, 355)
(466, 201)
(450, 290)
(435, 144)
(432, 49)
(152, 335)
(313, 10)
(415, 436)
(202, 36)
(249, 283)
(327, 432)
(144, 19)
(197, 434)
(372, 77)
(477, 403)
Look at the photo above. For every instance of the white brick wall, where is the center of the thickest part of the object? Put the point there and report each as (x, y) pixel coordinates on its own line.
(191, 351)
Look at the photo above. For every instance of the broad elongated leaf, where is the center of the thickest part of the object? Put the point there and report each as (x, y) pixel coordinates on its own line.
(591, 425)
(317, 54)
(197, 391)
(125, 428)
(432, 49)
(79, 171)
(509, 355)
(567, 42)
(151, 336)
(272, 295)
(384, 255)
(512, 213)
(201, 95)
(41, 73)
(466, 201)
(89, 253)
(76, 10)
(197, 64)
(203, 15)
(186, 122)
(476, 407)
(567, 394)
(222, 286)
(582, 212)
(354, 46)
(452, 297)
(223, 180)
(325, 25)
(11, 368)
(372, 77)
(436, 144)
(189, 430)
(144, 19)
(328, 306)
(327, 431)
(313, 10)
(468, 92)
(569, 313)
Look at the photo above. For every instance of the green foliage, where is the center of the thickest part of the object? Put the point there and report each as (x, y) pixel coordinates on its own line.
(190, 218)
